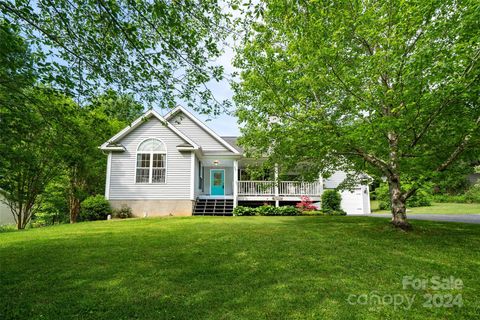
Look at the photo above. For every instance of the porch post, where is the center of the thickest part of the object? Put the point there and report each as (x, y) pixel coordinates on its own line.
(192, 176)
(320, 179)
(235, 183)
(277, 202)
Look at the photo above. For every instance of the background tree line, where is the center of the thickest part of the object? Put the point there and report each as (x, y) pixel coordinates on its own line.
(50, 161)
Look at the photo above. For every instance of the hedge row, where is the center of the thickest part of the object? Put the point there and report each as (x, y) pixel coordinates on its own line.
(268, 210)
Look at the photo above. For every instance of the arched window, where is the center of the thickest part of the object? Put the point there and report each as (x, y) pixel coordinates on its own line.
(151, 162)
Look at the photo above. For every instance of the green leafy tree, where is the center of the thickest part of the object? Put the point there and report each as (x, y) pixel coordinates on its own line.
(53, 206)
(123, 108)
(390, 88)
(85, 164)
(33, 141)
(159, 50)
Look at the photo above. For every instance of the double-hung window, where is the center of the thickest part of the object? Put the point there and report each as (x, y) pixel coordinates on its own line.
(151, 162)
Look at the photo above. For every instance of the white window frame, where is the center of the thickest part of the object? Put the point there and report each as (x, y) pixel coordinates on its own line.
(150, 168)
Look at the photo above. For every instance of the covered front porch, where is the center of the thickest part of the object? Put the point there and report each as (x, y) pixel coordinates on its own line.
(227, 178)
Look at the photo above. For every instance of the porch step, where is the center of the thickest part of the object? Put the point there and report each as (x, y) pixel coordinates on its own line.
(213, 207)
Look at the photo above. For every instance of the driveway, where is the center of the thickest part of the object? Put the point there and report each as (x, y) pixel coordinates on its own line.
(465, 218)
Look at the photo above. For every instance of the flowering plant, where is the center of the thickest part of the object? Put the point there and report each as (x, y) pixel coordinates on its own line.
(305, 204)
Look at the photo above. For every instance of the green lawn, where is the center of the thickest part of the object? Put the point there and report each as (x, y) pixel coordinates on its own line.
(234, 268)
(437, 208)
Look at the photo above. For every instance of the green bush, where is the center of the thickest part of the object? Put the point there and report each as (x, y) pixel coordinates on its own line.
(243, 211)
(422, 198)
(473, 194)
(334, 212)
(95, 208)
(288, 211)
(123, 213)
(331, 200)
(448, 198)
(312, 213)
(267, 210)
(53, 204)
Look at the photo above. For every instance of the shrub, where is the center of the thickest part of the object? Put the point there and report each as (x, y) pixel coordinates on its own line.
(449, 198)
(312, 213)
(288, 211)
(267, 210)
(95, 208)
(473, 194)
(123, 213)
(306, 204)
(422, 198)
(329, 212)
(331, 200)
(53, 206)
(243, 211)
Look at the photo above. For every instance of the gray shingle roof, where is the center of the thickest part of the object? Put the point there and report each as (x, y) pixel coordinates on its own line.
(233, 142)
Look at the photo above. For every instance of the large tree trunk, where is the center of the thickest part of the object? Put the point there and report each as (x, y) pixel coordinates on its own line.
(398, 202)
(20, 225)
(73, 199)
(74, 206)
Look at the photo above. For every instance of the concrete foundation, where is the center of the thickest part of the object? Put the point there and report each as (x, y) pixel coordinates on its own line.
(156, 208)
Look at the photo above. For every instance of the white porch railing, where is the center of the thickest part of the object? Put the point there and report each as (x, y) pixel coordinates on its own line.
(299, 188)
(256, 188)
(285, 188)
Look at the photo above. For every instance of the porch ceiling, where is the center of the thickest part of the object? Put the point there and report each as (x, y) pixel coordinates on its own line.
(217, 162)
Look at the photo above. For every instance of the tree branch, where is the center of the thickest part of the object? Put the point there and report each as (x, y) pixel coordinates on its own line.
(459, 149)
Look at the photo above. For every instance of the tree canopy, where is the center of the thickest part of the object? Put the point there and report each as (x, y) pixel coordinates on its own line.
(390, 88)
(161, 51)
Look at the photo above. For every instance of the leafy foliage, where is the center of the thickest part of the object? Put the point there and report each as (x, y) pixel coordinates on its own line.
(422, 197)
(35, 126)
(161, 51)
(266, 210)
(287, 211)
(53, 203)
(123, 108)
(305, 204)
(95, 208)
(331, 200)
(388, 88)
(473, 194)
(243, 211)
(123, 213)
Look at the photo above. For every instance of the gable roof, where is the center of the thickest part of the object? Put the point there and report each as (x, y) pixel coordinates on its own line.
(178, 109)
(112, 143)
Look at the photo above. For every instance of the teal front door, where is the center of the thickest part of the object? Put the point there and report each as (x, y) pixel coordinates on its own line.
(217, 182)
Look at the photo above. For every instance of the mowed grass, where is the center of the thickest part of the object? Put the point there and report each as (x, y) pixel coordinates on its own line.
(234, 268)
(437, 208)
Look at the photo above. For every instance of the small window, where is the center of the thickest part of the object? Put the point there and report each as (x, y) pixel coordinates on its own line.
(151, 162)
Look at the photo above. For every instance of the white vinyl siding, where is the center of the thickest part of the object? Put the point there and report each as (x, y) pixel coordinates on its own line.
(196, 133)
(124, 166)
(334, 180)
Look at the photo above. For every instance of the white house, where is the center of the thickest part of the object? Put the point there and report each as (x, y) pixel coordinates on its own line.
(6, 215)
(176, 165)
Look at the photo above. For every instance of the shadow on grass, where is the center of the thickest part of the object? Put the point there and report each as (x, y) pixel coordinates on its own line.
(240, 267)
